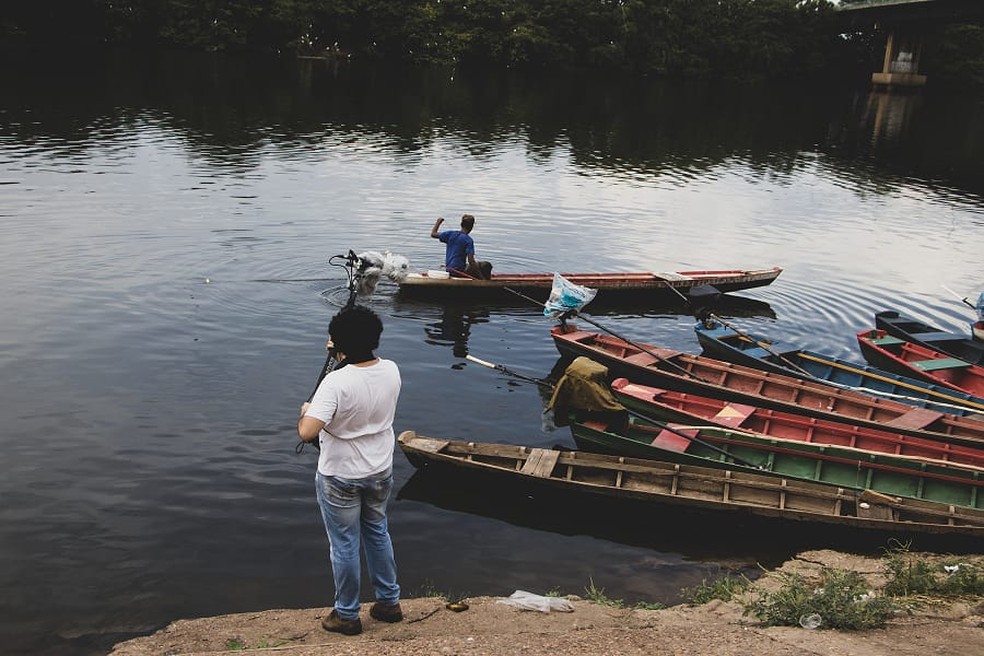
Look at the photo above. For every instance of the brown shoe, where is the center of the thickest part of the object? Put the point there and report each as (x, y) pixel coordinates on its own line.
(336, 624)
(386, 612)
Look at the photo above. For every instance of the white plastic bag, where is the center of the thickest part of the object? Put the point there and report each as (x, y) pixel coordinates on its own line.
(566, 296)
(529, 601)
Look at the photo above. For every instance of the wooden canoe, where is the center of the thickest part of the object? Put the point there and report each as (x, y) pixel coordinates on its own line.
(667, 405)
(611, 287)
(908, 358)
(683, 372)
(724, 343)
(927, 480)
(697, 488)
(956, 345)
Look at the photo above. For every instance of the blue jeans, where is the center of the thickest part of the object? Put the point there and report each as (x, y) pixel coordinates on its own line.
(354, 512)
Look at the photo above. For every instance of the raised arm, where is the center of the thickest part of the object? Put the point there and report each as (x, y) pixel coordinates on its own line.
(436, 228)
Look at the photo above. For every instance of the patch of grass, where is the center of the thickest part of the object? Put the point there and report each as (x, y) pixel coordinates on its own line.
(649, 605)
(552, 592)
(597, 595)
(267, 644)
(842, 601)
(724, 588)
(235, 644)
(429, 589)
(910, 574)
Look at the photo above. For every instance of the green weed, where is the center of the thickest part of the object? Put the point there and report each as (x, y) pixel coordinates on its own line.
(428, 589)
(842, 601)
(724, 588)
(910, 574)
(597, 595)
(235, 644)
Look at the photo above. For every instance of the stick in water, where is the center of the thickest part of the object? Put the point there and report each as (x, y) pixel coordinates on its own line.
(962, 299)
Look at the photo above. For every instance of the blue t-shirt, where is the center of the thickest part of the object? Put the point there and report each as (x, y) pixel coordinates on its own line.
(460, 244)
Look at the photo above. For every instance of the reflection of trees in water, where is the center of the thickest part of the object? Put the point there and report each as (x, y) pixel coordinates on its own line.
(454, 327)
(231, 110)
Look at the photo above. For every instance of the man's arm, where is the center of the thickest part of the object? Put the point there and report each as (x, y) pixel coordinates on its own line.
(437, 226)
(308, 428)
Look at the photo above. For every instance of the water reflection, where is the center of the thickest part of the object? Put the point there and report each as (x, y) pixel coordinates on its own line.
(638, 128)
(454, 327)
(889, 113)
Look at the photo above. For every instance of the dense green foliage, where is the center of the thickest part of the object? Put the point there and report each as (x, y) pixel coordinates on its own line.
(842, 601)
(738, 39)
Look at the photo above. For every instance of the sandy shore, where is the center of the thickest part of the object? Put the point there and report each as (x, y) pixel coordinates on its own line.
(490, 628)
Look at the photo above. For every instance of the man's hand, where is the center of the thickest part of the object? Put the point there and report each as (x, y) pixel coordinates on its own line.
(437, 224)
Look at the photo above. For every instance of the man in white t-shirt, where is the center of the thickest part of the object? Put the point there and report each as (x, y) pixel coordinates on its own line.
(351, 416)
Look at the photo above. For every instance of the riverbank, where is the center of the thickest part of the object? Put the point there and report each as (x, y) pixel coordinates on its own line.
(490, 628)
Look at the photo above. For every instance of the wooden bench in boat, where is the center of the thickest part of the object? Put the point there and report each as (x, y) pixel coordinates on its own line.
(933, 337)
(936, 364)
(886, 340)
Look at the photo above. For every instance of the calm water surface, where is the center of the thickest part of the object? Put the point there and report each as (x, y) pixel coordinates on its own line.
(165, 228)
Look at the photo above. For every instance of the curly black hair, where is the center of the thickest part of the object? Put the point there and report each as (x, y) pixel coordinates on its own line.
(355, 332)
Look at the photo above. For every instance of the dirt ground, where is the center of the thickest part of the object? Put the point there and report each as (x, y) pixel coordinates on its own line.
(490, 628)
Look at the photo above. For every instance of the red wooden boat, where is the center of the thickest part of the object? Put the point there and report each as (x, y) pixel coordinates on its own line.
(683, 372)
(673, 406)
(910, 359)
(644, 285)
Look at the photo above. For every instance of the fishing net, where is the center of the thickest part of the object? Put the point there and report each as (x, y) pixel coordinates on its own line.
(374, 265)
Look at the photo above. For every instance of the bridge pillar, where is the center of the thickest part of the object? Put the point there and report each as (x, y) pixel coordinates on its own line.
(900, 67)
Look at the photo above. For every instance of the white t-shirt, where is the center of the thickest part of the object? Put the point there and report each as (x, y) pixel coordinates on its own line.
(357, 405)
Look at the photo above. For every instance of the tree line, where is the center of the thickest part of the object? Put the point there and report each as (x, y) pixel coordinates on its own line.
(742, 39)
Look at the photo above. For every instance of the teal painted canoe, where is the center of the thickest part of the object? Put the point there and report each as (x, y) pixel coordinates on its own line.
(693, 409)
(725, 343)
(911, 359)
(832, 465)
(957, 345)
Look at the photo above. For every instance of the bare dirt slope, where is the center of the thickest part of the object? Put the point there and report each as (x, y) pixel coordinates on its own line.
(490, 628)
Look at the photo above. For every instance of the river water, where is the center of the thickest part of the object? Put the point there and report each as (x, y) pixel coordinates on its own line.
(165, 229)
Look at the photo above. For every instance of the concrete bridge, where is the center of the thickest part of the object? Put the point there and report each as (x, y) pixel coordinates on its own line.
(906, 23)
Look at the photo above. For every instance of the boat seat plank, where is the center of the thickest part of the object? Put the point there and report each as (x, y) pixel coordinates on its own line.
(734, 415)
(887, 340)
(916, 418)
(934, 337)
(939, 363)
(540, 463)
(671, 441)
(429, 444)
(757, 352)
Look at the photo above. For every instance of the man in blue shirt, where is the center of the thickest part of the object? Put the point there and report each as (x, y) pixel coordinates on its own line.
(459, 256)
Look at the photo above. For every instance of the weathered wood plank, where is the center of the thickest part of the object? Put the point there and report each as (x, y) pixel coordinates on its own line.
(540, 463)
